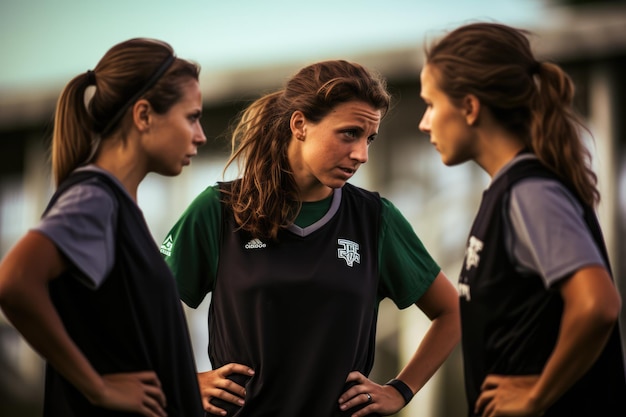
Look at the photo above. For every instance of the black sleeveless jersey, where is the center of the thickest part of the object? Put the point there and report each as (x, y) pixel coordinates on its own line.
(133, 322)
(299, 310)
(510, 322)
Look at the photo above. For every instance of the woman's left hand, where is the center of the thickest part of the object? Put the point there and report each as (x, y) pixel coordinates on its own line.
(507, 396)
(372, 397)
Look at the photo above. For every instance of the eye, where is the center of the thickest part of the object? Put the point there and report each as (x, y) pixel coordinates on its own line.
(371, 139)
(352, 133)
(195, 116)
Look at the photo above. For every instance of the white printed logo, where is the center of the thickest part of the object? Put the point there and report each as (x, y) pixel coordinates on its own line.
(166, 247)
(349, 251)
(464, 291)
(472, 257)
(255, 244)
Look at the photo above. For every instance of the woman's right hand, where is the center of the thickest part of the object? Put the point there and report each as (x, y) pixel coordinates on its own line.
(136, 392)
(216, 384)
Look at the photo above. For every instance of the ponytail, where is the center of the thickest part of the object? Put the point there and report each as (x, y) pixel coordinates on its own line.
(71, 138)
(556, 132)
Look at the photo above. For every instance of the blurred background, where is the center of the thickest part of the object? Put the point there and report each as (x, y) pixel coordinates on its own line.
(247, 48)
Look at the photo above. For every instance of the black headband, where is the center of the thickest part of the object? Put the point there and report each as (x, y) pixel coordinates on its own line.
(135, 95)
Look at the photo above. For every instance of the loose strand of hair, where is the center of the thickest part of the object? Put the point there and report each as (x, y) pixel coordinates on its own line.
(256, 200)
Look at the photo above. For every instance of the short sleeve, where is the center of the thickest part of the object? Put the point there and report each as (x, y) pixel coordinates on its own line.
(547, 233)
(191, 248)
(81, 224)
(406, 268)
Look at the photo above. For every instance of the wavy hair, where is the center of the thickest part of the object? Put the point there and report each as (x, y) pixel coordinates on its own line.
(266, 198)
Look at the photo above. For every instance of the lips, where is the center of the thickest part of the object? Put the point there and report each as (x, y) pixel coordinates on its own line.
(187, 159)
(346, 173)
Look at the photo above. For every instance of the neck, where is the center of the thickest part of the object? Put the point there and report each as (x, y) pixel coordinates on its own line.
(316, 192)
(120, 160)
(496, 151)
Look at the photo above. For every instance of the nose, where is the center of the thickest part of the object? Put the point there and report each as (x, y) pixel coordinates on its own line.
(424, 125)
(360, 151)
(199, 138)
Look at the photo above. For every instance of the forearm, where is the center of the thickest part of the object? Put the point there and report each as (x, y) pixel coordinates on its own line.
(25, 299)
(591, 310)
(41, 326)
(579, 345)
(438, 342)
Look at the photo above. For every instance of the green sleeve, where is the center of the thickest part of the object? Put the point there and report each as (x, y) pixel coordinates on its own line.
(406, 267)
(191, 248)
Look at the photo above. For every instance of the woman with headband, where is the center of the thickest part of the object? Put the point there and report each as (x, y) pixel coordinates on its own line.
(87, 287)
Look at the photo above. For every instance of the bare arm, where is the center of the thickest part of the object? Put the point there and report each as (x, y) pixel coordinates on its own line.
(24, 298)
(441, 304)
(591, 308)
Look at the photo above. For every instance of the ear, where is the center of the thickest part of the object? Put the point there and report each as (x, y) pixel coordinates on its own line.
(471, 108)
(298, 125)
(142, 115)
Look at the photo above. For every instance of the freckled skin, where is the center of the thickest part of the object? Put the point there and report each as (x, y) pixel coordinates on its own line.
(330, 151)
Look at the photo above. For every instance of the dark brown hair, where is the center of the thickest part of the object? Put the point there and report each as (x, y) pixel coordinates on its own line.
(531, 99)
(266, 198)
(134, 69)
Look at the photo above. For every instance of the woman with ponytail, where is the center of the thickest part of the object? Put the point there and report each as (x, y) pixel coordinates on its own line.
(539, 308)
(87, 287)
(297, 259)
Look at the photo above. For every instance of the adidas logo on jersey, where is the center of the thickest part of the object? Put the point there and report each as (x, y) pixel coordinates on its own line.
(166, 247)
(255, 244)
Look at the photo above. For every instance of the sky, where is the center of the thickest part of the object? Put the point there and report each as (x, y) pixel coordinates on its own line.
(47, 42)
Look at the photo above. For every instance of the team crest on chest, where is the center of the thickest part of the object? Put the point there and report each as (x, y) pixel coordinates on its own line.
(349, 251)
(472, 257)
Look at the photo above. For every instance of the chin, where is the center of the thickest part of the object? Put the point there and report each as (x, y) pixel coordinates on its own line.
(452, 160)
(170, 172)
(335, 184)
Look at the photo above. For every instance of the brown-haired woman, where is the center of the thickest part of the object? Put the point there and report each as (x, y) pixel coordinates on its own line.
(87, 287)
(302, 258)
(539, 309)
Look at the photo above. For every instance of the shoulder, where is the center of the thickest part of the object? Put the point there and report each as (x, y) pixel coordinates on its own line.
(209, 197)
(89, 185)
(548, 231)
(206, 206)
(523, 166)
(361, 193)
(544, 195)
(89, 197)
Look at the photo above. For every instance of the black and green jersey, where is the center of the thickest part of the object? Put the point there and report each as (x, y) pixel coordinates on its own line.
(300, 310)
